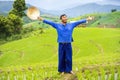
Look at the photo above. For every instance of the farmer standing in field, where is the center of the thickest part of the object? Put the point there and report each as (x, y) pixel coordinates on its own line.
(64, 31)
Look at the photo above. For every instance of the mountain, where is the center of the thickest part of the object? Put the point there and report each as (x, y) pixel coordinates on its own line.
(90, 8)
(6, 6)
(85, 9)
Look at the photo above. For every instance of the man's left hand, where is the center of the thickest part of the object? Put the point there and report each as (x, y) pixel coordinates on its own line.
(90, 18)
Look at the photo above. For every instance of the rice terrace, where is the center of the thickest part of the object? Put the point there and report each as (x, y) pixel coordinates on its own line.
(29, 48)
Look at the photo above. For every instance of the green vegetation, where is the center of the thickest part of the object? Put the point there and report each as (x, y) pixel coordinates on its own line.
(19, 7)
(102, 20)
(109, 20)
(95, 53)
(28, 49)
(10, 25)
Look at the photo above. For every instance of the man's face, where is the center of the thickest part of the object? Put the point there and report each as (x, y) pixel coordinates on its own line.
(64, 19)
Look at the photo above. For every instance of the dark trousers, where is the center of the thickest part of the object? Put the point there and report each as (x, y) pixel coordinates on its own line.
(65, 57)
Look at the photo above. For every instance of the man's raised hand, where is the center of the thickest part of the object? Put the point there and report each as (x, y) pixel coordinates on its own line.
(90, 18)
(40, 18)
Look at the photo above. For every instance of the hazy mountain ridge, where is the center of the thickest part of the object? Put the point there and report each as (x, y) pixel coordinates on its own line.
(6, 6)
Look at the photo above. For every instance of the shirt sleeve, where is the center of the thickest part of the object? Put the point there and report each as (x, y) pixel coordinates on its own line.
(53, 24)
(79, 22)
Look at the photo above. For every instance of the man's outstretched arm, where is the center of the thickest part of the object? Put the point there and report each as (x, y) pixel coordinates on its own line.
(82, 21)
(47, 22)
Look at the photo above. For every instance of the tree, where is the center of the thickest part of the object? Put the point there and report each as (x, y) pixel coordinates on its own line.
(16, 14)
(15, 22)
(19, 7)
(10, 25)
(113, 10)
(2, 24)
(5, 28)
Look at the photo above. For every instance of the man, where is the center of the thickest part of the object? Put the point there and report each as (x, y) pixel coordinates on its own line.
(64, 31)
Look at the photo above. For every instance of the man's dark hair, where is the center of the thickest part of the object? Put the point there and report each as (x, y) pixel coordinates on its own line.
(62, 15)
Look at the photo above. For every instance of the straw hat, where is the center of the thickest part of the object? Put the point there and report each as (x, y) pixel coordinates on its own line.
(33, 13)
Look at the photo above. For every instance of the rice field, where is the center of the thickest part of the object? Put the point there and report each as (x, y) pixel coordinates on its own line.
(96, 56)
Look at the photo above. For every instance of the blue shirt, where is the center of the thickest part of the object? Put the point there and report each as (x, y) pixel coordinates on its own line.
(64, 31)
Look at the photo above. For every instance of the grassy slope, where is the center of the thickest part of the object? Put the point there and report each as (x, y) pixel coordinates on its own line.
(43, 47)
(108, 19)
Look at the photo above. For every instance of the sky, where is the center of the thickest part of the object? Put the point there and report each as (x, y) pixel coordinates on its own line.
(63, 4)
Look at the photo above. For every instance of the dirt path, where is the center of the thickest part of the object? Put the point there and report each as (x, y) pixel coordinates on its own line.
(65, 76)
(69, 77)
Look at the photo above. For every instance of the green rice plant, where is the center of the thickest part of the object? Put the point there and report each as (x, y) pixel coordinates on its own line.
(80, 75)
(102, 73)
(118, 72)
(94, 75)
(112, 73)
(87, 74)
